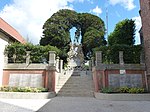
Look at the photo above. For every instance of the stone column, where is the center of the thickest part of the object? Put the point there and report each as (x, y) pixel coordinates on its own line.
(121, 61)
(98, 58)
(57, 63)
(142, 60)
(90, 65)
(6, 58)
(28, 57)
(52, 56)
(92, 61)
(60, 66)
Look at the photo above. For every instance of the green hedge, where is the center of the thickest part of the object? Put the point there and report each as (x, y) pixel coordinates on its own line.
(23, 89)
(111, 53)
(38, 53)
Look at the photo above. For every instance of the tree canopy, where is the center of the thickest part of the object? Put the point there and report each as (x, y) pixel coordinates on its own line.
(124, 33)
(90, 27)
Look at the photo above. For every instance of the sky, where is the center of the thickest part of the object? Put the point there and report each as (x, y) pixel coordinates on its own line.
(28, 16)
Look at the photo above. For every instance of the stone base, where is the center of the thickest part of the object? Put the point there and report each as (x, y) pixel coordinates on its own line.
(25, 95)
(122, 97)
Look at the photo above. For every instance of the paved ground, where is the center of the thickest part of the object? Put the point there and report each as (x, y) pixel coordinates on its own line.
(73, 104)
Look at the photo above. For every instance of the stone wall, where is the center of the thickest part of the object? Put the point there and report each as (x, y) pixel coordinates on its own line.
(118, 75)
(30, 74)
(145, 16)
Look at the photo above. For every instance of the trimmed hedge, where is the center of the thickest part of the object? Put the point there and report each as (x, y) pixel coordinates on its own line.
(23, 89)
(132, 90)
(39, 54)
(111, 53)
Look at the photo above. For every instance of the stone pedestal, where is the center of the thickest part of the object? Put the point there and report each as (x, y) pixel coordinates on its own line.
(121, 61)
(52, 56)
(98, 58)
(60, 66)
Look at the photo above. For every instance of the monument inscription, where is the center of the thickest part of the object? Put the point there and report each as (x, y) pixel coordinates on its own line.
(121, 80)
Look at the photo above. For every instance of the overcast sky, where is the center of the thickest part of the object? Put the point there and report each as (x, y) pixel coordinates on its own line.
(28, 16)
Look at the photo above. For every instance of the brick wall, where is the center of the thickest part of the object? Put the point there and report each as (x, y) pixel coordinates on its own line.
(145, 16)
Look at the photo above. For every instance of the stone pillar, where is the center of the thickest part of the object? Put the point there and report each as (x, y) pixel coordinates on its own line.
(92, 61)
(142, 60)
(28, 57)
(90, 65)
(98, 58)
(121, 61)
(60, 66)
(57, 63)
(52, 56)
(6, 58)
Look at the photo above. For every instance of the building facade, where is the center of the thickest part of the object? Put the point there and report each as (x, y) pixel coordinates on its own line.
(7, 35)
(145, 16)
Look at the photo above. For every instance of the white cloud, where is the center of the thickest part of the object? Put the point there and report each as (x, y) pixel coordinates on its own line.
(97, 10)
(138, 27)
(28, 16)
(128, 4)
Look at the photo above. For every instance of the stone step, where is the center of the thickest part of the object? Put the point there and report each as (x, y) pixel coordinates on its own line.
(76, 94)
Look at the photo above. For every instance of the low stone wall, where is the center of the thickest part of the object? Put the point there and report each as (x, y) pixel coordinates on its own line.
(32, 75)
(122, 97)
(113, 75)
(25, 95)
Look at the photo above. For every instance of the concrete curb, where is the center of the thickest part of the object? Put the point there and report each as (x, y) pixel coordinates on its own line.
(122, 97)
(25, 95)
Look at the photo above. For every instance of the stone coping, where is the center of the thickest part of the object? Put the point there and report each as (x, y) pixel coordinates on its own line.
(26, 95)
(122, 97)
(118, 66)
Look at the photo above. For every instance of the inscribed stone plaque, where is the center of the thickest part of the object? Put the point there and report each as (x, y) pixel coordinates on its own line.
(113, 80)
(36, 80)
(24, 80)
(14, 80)
(129, 80)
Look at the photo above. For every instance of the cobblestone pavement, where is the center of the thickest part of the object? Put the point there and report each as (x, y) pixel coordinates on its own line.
(72, 104)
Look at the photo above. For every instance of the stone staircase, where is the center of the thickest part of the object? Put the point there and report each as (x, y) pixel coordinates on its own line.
(74, 84)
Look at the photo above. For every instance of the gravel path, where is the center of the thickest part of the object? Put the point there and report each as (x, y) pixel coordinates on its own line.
(72, 104)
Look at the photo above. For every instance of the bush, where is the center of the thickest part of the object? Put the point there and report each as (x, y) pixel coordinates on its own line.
(39, 54)
(23, 89)
(123, 90)
(110, 54)
(107, 90)
(136, 90)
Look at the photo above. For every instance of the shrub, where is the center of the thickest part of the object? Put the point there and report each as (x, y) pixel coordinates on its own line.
(23, 89)
(110, 54)
(107, 90)
(136, 90)
(123, 90)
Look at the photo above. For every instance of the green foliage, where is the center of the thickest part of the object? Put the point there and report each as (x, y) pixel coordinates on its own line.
(136, 90)
(38, 53)
(124, 33)
(111, 53)
(56, 31)
(107, 90)
(123, 90)
(23, 89)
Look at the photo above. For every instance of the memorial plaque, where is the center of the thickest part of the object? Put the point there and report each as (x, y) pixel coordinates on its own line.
(114, 80)
(129, 80)
(14, 80)
(36, 80)
(24, 80)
